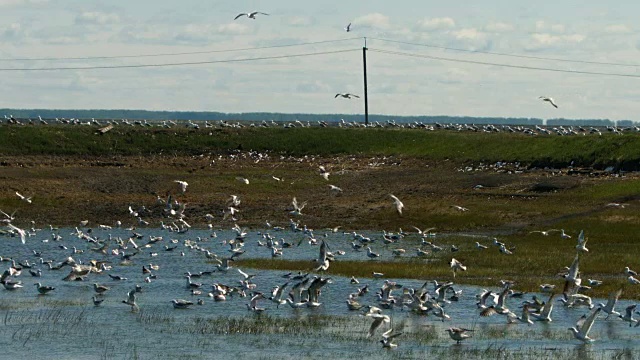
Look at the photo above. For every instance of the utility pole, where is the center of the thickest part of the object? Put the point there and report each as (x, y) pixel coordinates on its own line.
(366, 94)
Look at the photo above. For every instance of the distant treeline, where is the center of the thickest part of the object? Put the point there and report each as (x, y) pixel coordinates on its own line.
(281, 117)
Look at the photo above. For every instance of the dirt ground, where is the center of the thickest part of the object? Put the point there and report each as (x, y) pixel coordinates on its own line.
(66, 190)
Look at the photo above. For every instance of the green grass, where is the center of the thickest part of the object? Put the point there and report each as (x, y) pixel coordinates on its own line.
(460, 146)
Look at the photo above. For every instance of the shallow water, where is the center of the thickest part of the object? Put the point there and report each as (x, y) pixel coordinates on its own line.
(65, 324)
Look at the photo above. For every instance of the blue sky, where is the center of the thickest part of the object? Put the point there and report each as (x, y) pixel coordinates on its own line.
(403, 85)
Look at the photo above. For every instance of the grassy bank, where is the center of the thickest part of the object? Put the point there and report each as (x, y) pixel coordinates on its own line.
(550, 150)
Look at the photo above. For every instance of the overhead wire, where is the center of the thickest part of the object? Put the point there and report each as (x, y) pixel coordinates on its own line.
(532, 57)
(179, 63)
(525, 67)
(181, 53)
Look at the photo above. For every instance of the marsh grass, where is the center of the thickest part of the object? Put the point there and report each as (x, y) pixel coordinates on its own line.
(555, 150)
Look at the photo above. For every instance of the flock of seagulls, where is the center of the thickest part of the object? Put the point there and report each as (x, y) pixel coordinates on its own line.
(532, 130)
(304, 290)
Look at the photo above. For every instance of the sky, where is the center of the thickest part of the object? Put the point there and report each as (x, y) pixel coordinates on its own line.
(403, 38)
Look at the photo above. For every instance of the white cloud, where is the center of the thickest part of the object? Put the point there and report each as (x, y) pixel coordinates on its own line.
(618, 29)
(499, 27)
(97, 18)
(299, 21)
(233, 29)
(434, 24)
(540, 41)
(374, 20)
(468, 34)
(542, 27)
(313, 87)
(13, 33)
(8, 3)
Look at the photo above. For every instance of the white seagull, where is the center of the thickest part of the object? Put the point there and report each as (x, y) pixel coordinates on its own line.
(250, 15)
(183, 185)
(458, 334)
(583, 326)
(131, 300)
(456, 265)
(181, 304)
(346, 95)
(348, 28)
(550, 100)
(297, 208)
(387, 339)
(378, 319)
(24, 198)
(20, 232)
(398, 203)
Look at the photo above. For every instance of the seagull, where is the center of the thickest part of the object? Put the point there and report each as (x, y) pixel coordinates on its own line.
(460, 208)
(244, 180)
(297, 208)
(24, 198)
(371, 254)
(20, 232)
(324, 173)
(250, 15)
(346, 95)
(480, 246)
(96, 301)
(581, 330)
(42, 289)
(550, 100)
(544, 232)
(253, 306)
(582, 242)
(181, 304)
(458, 334)
(545, 314)
(628, 315)
(456, 265)
(378, 319)
(334, 189)
(629, 272)
(398, 203)
(633, 281)
(564, 235)
(131, 300)
(348, 28)
(387, 339)
(183, 185)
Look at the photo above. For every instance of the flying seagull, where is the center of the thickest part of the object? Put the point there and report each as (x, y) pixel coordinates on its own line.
(183, 185)
(581, 330)
(250, 15)
(398, 203)
(347, 95)
(24, 198)
(550, 100)
(348, 28)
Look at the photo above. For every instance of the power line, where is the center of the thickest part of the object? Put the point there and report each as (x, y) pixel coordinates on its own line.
(181, 53)
(181, 63)
(508, 55)
(503, 65)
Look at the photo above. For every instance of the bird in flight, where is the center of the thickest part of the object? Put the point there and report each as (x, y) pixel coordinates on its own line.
(183, 185)
(348, 28)
(398, 203)
(24, 198)
(550, 100)
(346, 95)
(250, 15)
